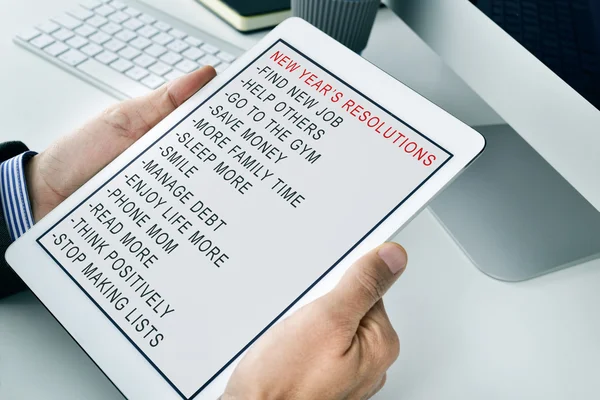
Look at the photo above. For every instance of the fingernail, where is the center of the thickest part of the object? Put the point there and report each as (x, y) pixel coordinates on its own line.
(394, 256)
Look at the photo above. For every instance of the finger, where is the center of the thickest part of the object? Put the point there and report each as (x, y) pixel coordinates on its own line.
(378, 386)
(378, 338)
(367, 280)
(376, 318)
(183, 88)
(171, 96)
(137, 116)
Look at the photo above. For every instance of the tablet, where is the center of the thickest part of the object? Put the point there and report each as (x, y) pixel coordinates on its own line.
(248, 201)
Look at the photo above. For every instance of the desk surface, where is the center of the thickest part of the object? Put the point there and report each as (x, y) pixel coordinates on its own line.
(463, 334)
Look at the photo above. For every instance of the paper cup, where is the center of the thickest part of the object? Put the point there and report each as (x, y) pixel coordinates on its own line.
(348, 21)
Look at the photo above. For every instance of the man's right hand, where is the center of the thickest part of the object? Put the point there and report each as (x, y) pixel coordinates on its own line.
(337, 347)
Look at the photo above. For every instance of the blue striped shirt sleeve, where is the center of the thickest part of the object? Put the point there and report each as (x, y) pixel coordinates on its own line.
(14, 196)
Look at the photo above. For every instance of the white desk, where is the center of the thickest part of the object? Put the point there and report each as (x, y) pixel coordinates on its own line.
(463, 334)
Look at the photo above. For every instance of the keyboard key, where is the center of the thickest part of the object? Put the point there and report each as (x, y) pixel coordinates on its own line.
(163, 38)
(77, 42)
(28, 35)
(160, 68)
(56, 48)
(156, 50)
(140, 43)
(222, 67)
(91, 49)
(129, 53)
(187, 66)
(209, 60)
(147, 19)
(104, 10)
(85, 30)
(177, 33)
(90, 4)
(153, 81)
(226, 56)
(67, 21)
(147, 31)
(112, 78)
(100, 37)
(48, 27)
(119, 5)
(173, 75)
(209, 48)
(193, 53)
(81, 13)
(114, 45)
(125, 35)
(97, 21)
(136, 73)
(63, 34)
(134, 12)
(133, 24)
(121, 65)
(177, 46)
(144, 60)
(171, 58)
(163, 26)
(119, 17)
(192, 41)
(72, 57)
(111, 28)
(106, 57)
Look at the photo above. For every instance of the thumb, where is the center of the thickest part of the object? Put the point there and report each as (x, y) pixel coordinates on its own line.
(173, 94)
(365, 283)
(140, 114)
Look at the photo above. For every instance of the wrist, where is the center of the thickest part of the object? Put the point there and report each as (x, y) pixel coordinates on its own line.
(29, 169)
(36, 188)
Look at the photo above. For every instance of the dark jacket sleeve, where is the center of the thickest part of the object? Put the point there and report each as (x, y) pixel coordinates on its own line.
(9, 281)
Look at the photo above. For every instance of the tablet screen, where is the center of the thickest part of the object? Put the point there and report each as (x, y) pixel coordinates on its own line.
(205, 238)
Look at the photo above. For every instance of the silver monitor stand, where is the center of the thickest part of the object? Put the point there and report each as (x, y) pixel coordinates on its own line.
(514, 215)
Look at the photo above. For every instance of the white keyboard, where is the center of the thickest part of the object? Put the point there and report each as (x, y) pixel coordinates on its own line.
(125, 47)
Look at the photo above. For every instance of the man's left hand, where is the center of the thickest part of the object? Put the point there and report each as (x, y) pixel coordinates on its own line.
(66, 165)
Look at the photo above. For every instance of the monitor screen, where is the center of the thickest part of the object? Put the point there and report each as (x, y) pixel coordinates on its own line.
(563, 34)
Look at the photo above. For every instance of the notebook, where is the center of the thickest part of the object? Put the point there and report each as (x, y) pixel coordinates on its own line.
(246, 16)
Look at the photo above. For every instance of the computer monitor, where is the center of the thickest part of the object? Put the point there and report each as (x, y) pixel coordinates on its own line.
(530, 204)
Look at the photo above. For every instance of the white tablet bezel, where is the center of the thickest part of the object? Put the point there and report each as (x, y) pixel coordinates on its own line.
(125, 366)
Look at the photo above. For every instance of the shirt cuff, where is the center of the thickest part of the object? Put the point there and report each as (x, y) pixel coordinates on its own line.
(14, 196)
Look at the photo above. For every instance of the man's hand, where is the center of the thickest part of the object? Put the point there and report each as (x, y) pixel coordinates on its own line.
(70, 162)
(338, 347)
